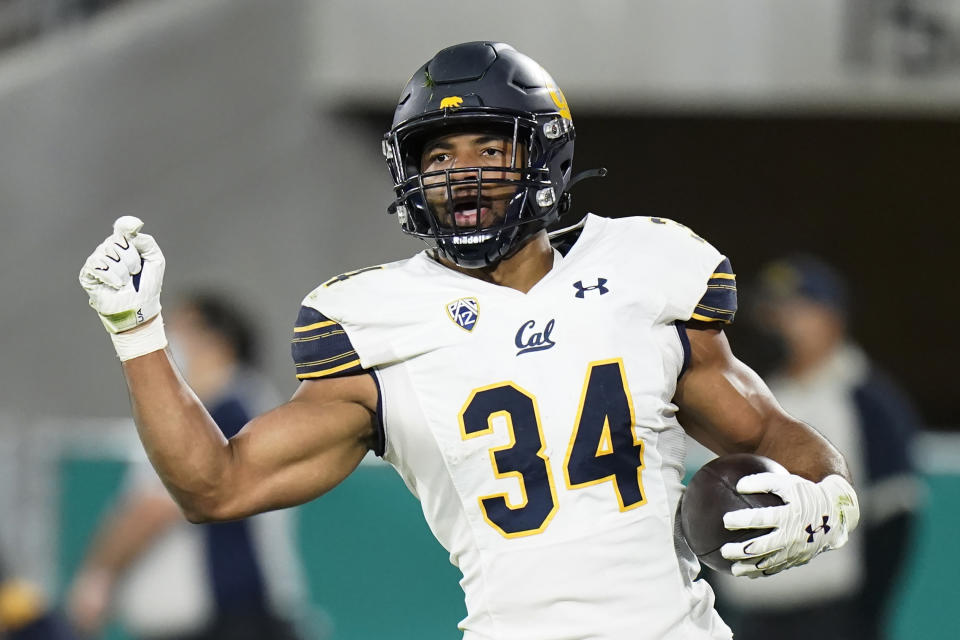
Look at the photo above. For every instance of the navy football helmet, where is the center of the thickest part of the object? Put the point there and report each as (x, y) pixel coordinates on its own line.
(481, 87)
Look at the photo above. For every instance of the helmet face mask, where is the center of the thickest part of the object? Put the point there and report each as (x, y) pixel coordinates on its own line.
(478, 215)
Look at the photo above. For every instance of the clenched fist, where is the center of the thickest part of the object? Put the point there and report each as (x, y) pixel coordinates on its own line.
(123, 277)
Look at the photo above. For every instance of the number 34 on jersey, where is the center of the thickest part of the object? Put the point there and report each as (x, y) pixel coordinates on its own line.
(603, 447)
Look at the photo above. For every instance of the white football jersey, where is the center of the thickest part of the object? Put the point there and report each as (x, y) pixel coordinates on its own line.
(537, 429)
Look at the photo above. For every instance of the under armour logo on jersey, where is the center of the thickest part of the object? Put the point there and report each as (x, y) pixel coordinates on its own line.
(465, 312)
(824, 527)
(529, 341)
(582, 290)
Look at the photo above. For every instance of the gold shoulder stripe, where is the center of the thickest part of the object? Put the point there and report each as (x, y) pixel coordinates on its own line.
(724, 276)
(315, 325)
(326, 372)
(320, 336)
(715, 309)
(326, 360)
(697, 316)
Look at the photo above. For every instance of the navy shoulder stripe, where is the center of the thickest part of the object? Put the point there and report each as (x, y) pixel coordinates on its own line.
(719, 303)
(321, 348)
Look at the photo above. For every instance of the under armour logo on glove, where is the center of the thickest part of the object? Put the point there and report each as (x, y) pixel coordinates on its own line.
(792, 539)
(824, 527)
(582, 290)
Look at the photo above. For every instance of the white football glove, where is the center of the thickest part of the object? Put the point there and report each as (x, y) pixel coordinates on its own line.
(123, 277)
(817, 516)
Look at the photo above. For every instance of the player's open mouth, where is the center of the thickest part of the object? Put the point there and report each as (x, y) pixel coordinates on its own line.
(466, 214)
(468, 217)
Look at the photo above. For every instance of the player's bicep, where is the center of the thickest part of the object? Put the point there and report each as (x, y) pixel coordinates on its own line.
(303, 448)
(723, 403)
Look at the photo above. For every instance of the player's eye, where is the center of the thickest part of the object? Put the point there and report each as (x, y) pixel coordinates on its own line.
(439, 157)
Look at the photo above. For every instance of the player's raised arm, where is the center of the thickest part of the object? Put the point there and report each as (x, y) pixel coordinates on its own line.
(727, 407)
(287, 456)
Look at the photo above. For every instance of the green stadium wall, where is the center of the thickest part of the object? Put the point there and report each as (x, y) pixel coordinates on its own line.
(375, 571)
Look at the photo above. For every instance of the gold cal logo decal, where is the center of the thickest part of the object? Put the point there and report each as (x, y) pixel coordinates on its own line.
(556, 95)
(452, 101)
(560, 101)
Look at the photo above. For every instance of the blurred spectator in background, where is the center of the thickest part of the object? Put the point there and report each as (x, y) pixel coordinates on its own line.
(171, 579)
(24, 613)
(820, 376)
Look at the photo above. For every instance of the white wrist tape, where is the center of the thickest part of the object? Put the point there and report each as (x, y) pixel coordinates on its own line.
(147, 339)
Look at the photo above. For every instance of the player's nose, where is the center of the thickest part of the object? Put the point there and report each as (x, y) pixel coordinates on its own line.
(464, 180)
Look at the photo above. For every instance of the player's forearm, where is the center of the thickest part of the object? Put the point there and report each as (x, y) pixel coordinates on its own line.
(186, 448)
(801, 449)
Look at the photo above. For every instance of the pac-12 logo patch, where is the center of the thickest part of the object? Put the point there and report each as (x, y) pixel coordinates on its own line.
(465, 312)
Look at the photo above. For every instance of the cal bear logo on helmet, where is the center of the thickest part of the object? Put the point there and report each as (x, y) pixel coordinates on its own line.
(451, 102)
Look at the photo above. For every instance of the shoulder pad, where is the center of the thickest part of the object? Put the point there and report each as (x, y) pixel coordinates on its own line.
(349, 274)
(719, 303)
(321, 348)
(377, 316)
(674, 261)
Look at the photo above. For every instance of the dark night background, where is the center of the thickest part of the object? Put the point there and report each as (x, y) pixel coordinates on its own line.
(875, 198)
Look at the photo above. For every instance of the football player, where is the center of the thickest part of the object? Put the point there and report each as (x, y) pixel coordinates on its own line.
(531, 389)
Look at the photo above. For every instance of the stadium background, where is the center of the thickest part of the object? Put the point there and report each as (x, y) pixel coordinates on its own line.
(246, 134)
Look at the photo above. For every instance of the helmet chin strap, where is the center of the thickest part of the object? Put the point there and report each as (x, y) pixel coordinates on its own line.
(600, 172)
(566, 199)
(527, 231)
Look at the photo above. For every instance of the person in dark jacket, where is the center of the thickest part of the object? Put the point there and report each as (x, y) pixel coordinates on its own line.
(820, 375)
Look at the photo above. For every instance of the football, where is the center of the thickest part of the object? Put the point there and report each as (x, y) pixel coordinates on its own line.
(711, 493)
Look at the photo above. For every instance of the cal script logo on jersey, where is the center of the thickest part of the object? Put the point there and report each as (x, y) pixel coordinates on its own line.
(529, 340)
(465, 312)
